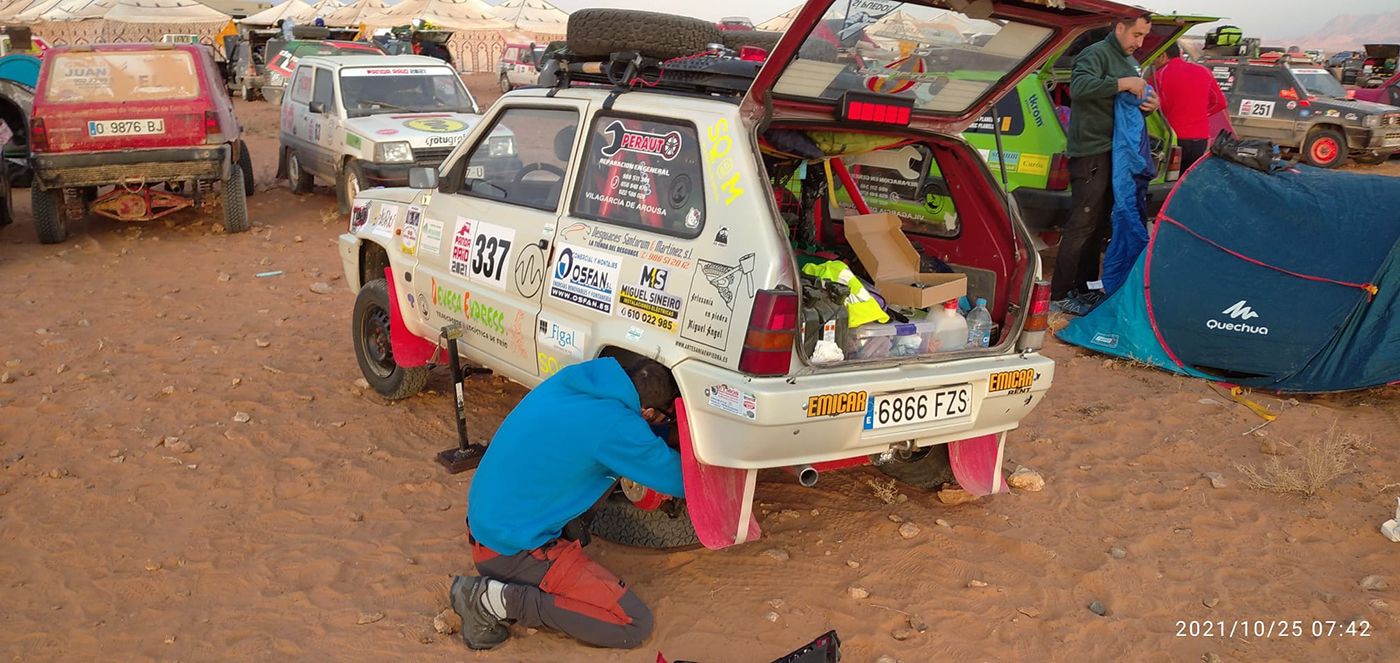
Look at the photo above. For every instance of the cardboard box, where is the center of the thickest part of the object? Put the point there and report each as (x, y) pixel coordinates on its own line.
(894, 264)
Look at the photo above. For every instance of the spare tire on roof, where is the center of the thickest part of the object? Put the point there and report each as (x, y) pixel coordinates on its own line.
(600, 32)
(310, 32)
(734, 39)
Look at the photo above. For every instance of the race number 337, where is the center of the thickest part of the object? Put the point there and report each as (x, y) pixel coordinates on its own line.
(491, 254)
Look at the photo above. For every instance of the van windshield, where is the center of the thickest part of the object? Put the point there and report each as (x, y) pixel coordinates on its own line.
(371, 90)
(121, 76)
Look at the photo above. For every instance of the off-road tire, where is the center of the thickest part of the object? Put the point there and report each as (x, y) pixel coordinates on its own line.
(1371, 159)
(1315, 144)
(401, 382)
(245, 161)
(818, 50)
(49, 220)
(235, 201)
(344, 198)
(930, 471)
(298, 179)
(619, 521)
(505, 84)
(599, 32)
(734, 39)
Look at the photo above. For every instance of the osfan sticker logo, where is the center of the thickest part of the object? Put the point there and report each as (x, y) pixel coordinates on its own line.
(1241, 311)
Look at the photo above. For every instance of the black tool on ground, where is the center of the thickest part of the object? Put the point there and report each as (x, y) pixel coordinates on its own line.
(465, 456)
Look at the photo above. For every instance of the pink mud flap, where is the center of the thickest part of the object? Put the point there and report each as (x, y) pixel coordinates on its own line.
(976, 464)
(714, 496)
(409, 350)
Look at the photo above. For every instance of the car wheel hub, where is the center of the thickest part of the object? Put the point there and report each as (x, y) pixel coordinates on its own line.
(1325, 150)
(375, 343)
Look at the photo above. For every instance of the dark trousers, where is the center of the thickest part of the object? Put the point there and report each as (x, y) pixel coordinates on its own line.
(1192, 149)
(1083, 237)
(559, 587)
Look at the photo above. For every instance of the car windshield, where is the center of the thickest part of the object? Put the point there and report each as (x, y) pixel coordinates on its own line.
(943, 60)
(371, 90)
(121, 76)
(1320, 83)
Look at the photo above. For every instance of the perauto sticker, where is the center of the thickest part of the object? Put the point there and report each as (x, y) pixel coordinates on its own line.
(830, 405)
(1011, 380)
(666, 146)
(586, 278)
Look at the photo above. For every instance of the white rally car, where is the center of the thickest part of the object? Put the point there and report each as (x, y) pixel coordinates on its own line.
(363, 121)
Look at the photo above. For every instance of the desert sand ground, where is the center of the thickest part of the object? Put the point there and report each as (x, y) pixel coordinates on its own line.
(320, 529)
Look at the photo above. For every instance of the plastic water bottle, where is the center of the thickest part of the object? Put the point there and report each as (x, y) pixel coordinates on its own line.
(979, 325)
(950, 329)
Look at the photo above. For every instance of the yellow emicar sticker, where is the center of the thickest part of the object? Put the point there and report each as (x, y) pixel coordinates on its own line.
(830, 405)
(1009, 380)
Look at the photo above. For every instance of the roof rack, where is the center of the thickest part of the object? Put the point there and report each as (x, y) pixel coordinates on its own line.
(716, 72)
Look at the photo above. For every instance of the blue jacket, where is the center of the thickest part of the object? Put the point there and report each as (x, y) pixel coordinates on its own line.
(1132, 171)
(558, 451)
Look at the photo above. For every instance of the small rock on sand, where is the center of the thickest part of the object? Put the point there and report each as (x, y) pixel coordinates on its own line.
(369, 618)
(852, 563)
(771, 616)
(321, 288)
(857, 592)
(941, 522)
(262, 343)
(902, 634)
(894, 518)
(778, 554)
(886, 658)
(1211, 602)
(908, 530)
(179, 445)
(1027, 479)
(7, 378)
(1271, 448)
(242, 417)
(953, 496)
(1374, 583)
(976, 583)
(1216, 479)
(447, 622)
(362, 383)
(1097, 608)
(1117, 553)
(1029, 611)
(916, 623)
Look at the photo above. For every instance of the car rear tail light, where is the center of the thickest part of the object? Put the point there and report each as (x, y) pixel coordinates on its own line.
(1174, 165)
(752, 54)
(1059, 173)
(213, 133)
(1037, 319)
(38, 135)
(875, 109)
(772, 329)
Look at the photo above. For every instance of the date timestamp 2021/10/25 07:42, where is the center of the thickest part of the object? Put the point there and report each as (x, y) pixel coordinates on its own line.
(1272, 628)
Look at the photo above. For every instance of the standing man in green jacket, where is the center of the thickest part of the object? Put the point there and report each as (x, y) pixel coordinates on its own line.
(1101, 71)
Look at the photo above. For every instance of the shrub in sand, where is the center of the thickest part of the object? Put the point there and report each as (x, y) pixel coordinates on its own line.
(1317, 463)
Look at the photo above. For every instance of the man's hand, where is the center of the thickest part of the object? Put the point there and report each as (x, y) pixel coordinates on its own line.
(653, 417)
(1137, 86)
(1151, 103)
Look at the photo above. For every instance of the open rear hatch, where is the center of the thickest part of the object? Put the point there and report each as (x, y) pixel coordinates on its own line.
(946, 61)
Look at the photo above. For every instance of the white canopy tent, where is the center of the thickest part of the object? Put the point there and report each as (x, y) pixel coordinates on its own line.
(534, 16)
(61, 22)
(445, 14)
(296, 10)
(354, 14)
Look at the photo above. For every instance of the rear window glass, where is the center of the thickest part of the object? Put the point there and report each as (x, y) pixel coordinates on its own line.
(643, 173)
(944, 60)
(908, 183)
(122, 76)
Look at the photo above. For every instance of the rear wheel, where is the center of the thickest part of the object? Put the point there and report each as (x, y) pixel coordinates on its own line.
(505, 84)
(1372, 158)
(373, 350)
(245, 161)
(235, 201)
(1325, 148)
(927, 468)
(49, 220)
(620, 521)
(298, 179)
(350, 184)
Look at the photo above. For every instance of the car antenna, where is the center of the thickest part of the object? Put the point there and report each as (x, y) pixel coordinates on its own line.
(465, 456)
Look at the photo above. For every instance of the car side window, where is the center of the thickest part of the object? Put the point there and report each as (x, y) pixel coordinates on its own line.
(644, 173)
(512, 54)
(1261, 84)
(524, 158)
(325, 89)
(301, 85)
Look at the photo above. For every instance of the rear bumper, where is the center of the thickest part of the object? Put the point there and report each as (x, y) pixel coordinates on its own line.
(1048, 210)
(780, 434)
(52, 171)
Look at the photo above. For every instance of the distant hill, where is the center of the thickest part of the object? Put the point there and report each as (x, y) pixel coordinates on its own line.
(1349, 32)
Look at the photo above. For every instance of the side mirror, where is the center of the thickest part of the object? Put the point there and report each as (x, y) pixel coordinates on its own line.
(422, 177)
(318, 107)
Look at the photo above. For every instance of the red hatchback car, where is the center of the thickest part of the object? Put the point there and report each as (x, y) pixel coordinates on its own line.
(151, 121)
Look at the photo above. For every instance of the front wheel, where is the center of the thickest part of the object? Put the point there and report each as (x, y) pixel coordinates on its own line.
(245, 161)
(1325, 148)
(620, 521)
(49, 220)
(297, 178)
(505, 85)
(375, 354)
(350, 184)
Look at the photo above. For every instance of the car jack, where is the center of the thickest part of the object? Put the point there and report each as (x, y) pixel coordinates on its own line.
(465, 456)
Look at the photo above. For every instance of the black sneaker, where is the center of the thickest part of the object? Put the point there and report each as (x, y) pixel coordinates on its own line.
(480, 628)
(1093, 298)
